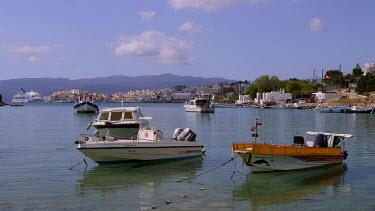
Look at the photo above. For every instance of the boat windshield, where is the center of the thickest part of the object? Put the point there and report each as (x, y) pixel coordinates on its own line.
(104, 116)
(146, 123)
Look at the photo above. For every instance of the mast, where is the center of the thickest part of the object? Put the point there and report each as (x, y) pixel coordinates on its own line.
(255, 129)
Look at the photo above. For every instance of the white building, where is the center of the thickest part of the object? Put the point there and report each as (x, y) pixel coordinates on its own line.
(243, 99)
(324, 96)
(182, 96)
(274, 97)
(369, 68)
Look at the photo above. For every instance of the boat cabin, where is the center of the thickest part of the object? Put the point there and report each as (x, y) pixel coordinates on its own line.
(119, 114)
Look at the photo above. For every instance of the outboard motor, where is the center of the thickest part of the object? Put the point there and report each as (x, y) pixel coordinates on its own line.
(186, 135)
(176, 132)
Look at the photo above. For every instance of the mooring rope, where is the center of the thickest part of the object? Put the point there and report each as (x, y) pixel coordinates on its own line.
(65, 147)
(84, 160)
(223, 164)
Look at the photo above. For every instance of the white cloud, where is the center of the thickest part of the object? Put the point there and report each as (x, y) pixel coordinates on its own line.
(156, 45)
(189, 27)
(316, 25)
(33, 59)
(147, 15)
(208, 5)
(31, 49)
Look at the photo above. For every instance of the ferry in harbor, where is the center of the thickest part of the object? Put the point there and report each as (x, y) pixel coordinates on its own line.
(27, 97)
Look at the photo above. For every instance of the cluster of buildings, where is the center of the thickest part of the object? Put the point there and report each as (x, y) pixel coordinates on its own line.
(177, 93)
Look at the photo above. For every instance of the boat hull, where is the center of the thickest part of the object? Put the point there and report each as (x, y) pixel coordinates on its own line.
(86, 107)
(274, 157)
(201, 110)
(266, 163)
(103, 153)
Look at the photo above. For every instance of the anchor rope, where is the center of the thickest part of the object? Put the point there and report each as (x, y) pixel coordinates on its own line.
(197, 175)
(83, 160)
(65, 147)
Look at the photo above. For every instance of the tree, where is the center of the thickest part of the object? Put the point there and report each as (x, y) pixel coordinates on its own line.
(366, 84)
(233, 97)
(334, 77)
(357, 72)
(266, 83)
(252, 90)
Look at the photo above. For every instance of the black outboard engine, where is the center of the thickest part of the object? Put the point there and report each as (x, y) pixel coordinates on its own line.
(186, 135)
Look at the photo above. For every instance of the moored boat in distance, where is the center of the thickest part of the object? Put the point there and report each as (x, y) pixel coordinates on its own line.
(361, 109)
(85, 105)
(325, 149)
(334, 109)
(149, 145)
(225, 105)
(201, 104)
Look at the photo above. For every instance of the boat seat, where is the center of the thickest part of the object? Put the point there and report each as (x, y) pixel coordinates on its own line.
(321, 141)
(298, 140)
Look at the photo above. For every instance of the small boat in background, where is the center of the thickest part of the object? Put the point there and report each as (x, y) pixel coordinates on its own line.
(224, 105)
(334, 109)
(149, 145)
(361, 109)
(324, 149)
(200, 104)
(85, 105)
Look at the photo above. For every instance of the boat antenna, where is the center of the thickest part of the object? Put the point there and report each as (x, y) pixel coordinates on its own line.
(255, 129)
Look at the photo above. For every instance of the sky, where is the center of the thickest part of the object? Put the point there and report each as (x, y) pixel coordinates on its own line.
(233, 39)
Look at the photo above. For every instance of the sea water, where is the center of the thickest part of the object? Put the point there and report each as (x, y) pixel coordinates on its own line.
(37, 149)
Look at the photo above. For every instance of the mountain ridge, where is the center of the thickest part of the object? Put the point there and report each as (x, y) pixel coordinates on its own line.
(108, 85)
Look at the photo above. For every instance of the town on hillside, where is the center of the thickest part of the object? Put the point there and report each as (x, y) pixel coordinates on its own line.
(331, 88)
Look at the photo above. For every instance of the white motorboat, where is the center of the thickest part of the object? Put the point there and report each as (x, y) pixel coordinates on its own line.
(86, 105)
(149, 145)
(200, 104)
(121, 122)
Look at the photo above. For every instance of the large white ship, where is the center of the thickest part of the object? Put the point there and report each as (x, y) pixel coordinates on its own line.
(27, 97)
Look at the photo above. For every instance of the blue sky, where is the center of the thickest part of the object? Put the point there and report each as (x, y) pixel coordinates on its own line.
(233, 39)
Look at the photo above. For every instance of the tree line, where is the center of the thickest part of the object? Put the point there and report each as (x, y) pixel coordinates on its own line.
(304, 88)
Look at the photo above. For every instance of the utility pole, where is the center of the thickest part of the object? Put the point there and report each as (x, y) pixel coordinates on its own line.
(322, 81)
(313, 76)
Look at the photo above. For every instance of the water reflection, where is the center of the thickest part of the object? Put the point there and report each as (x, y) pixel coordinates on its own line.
(288, 187)
(110, 178)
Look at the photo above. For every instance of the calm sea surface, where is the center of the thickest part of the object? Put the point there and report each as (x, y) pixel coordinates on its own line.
(36, 151)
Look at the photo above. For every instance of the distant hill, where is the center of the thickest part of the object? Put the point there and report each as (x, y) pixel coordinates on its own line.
(107, 85)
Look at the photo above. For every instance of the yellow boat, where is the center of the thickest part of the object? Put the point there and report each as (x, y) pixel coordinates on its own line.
(325, 149)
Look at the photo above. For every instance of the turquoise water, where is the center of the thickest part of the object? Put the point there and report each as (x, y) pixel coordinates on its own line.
(36, 151)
